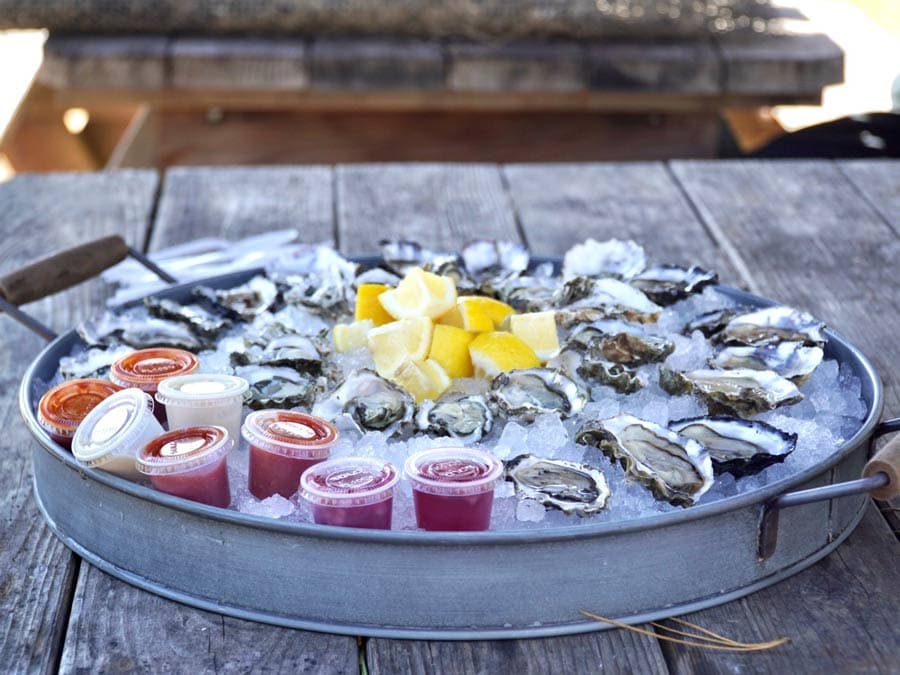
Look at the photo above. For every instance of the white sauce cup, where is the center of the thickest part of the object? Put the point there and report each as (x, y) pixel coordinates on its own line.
(202, 399)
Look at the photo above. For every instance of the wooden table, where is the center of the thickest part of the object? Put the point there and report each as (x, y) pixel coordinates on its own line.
(822, 236)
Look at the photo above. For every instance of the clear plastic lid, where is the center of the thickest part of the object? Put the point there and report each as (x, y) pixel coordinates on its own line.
(115, 426)
(63, 407)
(146, 368)
(184, 450)
(453, 471)
(201, 390)
(289, 433)
(349, 481)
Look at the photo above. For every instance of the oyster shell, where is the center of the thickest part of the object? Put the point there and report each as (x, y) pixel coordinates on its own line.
(774, 324)
(137, 331)
(293, 351)
(676, 468)
(401, 255)
(667, 284)
(371, 402)
(467, 418)
(621, 345)
(740, 447)
(202, 323)
(567, 486)
(742, 391)
(792, 360)
(487, 258)
(529, 392)
(610, 258)
(584, 299)
(576, 364)
(277, 387)
(711, 323)
(92, 362)
(246, 301)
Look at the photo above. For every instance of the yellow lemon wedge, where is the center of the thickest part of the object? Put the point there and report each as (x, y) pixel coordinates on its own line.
(495, 310)
(468, 316)
(497, 352)
(450, 348)
(348, 336)
(399, 341)
(419, 294)
(423, 379)
(538, 331)
(367, 305)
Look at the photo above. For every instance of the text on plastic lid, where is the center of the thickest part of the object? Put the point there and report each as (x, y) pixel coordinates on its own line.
(112, 423)
(293, 430)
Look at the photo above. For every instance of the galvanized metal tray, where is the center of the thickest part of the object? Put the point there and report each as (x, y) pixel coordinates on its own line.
(484, 585)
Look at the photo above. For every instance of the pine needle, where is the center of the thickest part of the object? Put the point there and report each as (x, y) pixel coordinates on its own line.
(706, 639)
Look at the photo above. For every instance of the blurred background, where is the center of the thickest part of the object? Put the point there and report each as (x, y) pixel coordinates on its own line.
(157, 84)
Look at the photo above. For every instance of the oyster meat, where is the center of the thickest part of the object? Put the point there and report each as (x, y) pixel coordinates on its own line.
(92, 362)
(467, 418)
(610, 258)
(583, 299)
(246, 301)
(293, 351)
(204, 324)
(741, 391)
(371, 402)
(620, 344)
(711, 323)
(740, 447)
(528, 392)
(667, 284)
(567, 486)
(792, 360)
(677, 469)
(137, 330)
(277, 387)
(772, 325)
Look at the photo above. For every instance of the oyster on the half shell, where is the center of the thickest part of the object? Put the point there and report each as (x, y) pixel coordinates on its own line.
(567, 486)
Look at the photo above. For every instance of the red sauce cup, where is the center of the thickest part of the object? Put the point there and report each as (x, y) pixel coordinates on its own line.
(351, 492)
(146, 368)
(283, 444)
(453, 488)
(63, 407)
(189, 463)
(110, 435)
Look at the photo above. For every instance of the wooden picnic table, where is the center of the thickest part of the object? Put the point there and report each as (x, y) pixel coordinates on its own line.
(822, 236)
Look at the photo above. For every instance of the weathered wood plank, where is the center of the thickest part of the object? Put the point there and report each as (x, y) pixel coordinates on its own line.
(688, 67)
(443, 206)
(786, 226)
(517, 67)
(376, 64)
(135, 62)
(562, 205)
(42, 215)
(879, 182)
(232, 203)
(238, 63)
(111, 621)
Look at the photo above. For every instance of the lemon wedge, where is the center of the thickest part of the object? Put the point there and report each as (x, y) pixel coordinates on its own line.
(351, 336)
(419, 294)
(399, 341)
(538, 331)
(367, 305)
(495, 310)
(497, 352)
(423, 379)
(450, 348)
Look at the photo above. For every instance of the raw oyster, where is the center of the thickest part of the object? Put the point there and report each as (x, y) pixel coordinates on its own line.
(139, 331)
(792, 360)
(277, 387)
(371, 402)
(677, 469)
(567, 486)
(467, 418)
(293, 351)
(576, 364)
(292, 320)
(328, 297)
(740, 447)
(202, 323)
(487, 258)
(621, 345)
(611, 258)
(531, 391)
(711, 323)
(583, 299)
(91, 363)
(774, 324)
(667, 284)
(742, 391)
(247, 301)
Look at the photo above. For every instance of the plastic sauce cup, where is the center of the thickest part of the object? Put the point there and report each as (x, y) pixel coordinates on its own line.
(146, 368)
(351, 492)
(190, 463)
(453, 488)
(111, 434)
(199, 399)
(63, 407)
(283, 444)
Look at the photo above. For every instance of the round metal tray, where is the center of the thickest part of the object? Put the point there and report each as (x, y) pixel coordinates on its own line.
(406, 584)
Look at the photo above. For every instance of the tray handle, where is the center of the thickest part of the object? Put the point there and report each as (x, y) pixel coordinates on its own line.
(63, 270)
(886, 461)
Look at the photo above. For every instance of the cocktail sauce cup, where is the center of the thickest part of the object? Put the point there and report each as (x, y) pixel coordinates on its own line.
(351, 492)
(65, 406)
(146, 368)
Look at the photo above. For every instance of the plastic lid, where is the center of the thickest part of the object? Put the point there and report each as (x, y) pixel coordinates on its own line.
(201, 390)
(115, 426)
(349, 481)
(63, 407)
(146, 368)
(183, 450)
(453, 471)
(288, 433)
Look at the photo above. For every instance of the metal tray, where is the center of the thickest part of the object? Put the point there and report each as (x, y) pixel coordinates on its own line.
(484, 585)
